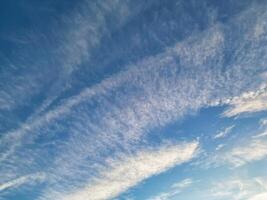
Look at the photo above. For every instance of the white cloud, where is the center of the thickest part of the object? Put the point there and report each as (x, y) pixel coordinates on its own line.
(263, 122)
(263, 134)
(220, 146)
(259, 27)
(176, 188)
(262, 196)
(239, 155)
(247, 103)
(86, 27)
(31, 178)
(254, 151)
(158, 100)
(182, 184)
(224, 133)
(238, 188)
(78, 34)
(233, 188)
(126, 172)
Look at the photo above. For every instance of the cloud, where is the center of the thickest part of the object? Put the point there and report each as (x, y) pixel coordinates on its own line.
(247, 103)
(127, 171)
(176, 188)
(183, 184)
(220, 146)
(239, 155)
(263, 122)
(261, 196)
(254, 151)
(248, 152)
(263, 134)
(149, 94)
(87, 26)
(229, 187)
(78, 34)
(233, 188)
(164, 98)
(224, 133)
(144, 98)
(238, 188)
(31, 178)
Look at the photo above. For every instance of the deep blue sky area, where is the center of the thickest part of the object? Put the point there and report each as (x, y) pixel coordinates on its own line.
(133, 100)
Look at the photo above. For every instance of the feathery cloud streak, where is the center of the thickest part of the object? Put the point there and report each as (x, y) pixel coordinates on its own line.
(250, 102)
(251, 151)
(125, 172)
(239, 189)
(224, 133)
(37, 177)
(176, 188)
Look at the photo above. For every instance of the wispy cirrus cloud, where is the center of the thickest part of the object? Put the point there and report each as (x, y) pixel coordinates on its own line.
(148, 107)
(263, 122)
(150, 101)
(254, 151)
(263, 134)
(249, 152)
(212, 41)
(250, 102)
(79, 32)
(122, 173)
(87, 26)
(30, 178)
(239, 188)
(261, 196)
(224, 133)
(176, 188)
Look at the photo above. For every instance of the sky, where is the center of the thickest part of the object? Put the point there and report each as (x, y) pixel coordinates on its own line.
(133, 100)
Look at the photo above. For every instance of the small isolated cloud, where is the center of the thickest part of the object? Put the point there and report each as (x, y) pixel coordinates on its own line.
(183, 184)
(224, 133)
(128, 171)
(176, 188)
(249, 102)
(220, 146)
(263, 122)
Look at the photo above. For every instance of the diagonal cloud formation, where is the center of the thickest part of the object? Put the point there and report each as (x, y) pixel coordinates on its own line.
(30, 178)
(251, 151)
(250, 102)
(129, 170)
(176, 189)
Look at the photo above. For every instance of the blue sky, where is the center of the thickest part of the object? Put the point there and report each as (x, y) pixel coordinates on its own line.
(133, 100)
